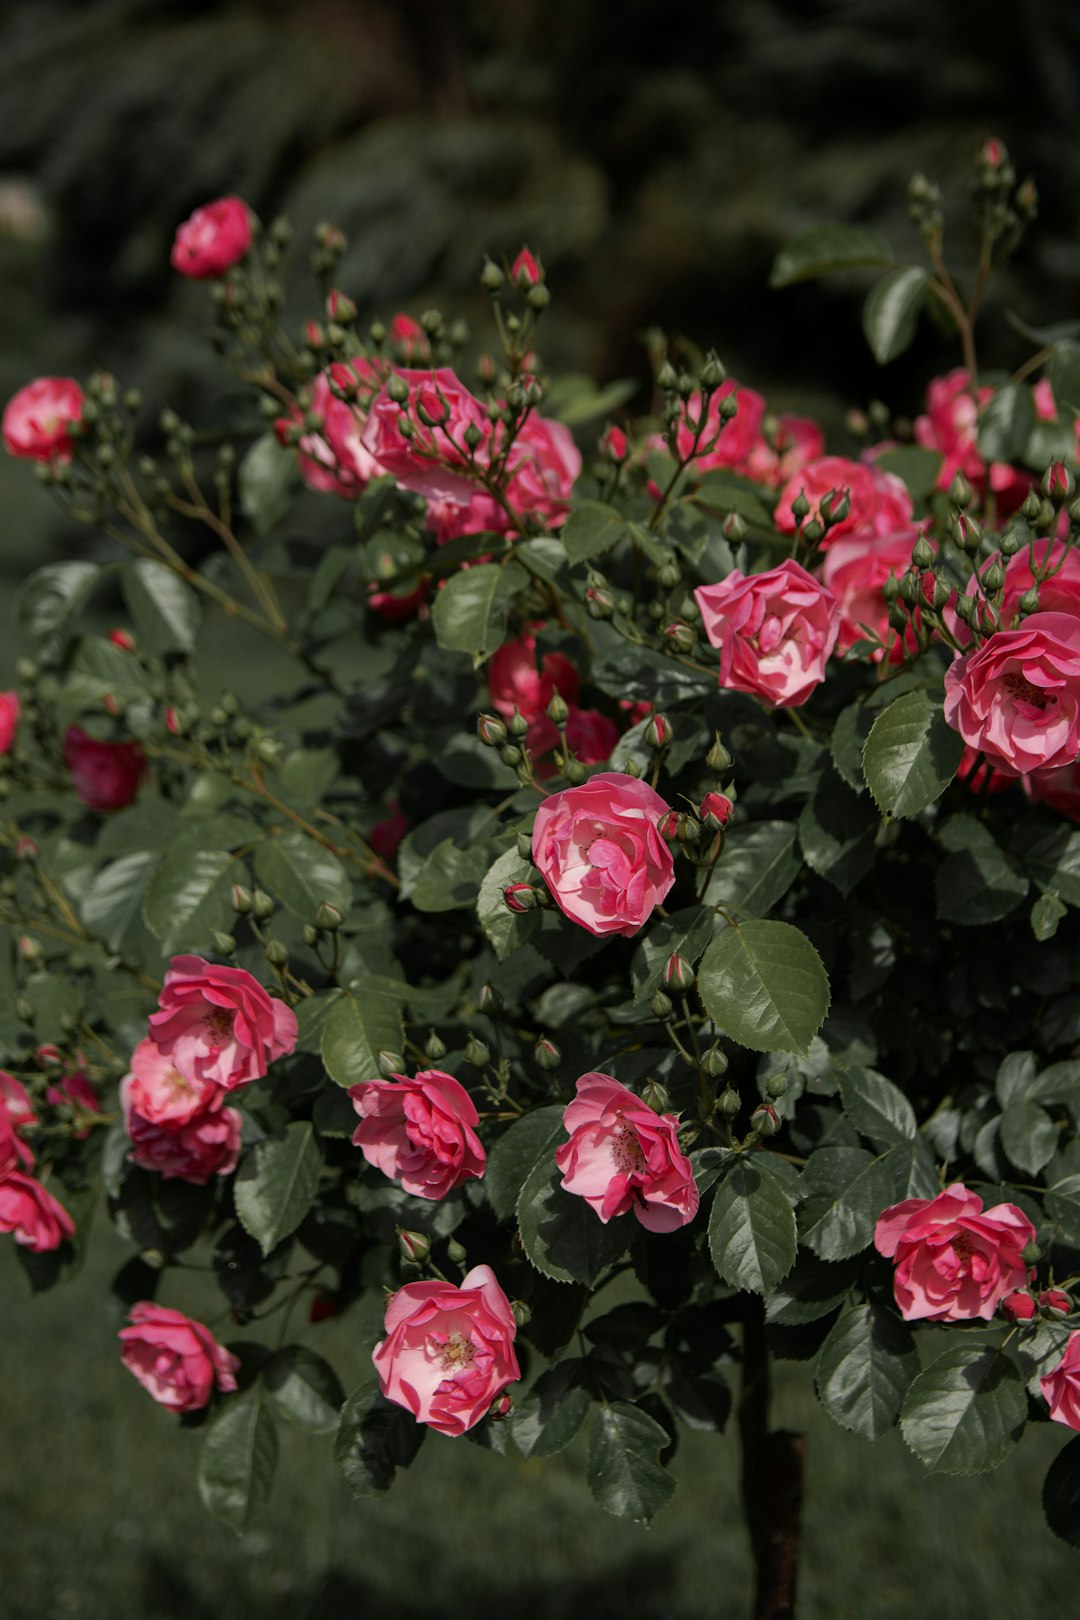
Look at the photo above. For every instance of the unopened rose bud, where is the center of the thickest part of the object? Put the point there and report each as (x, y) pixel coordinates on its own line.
(712, 372)
(729, 1103)
(1018, 1306)
(1031, 1253)
(488, 999)
(522, 1312)
(669, 575)
(309, 934)
(714, 1062)
(728, 408)
(776, 1086)
(510, 754)
(734, 529)
(1058, 482)
(414, 1246)
(518, 726)
(224, 944)
(457, 1252)
(689, 829)
(668, 825)
(477, 1052)
(655, 1096)
(994, 576)
(261, 905)
(716, 810)
(328, 917)
(29, 948)
(1047, 517)
(765, 1121)
(49, 1056)
(26, 848)
(390, 1063)
(558, 710)
(679, 637)
(813, 531)
(678, 974)
(538, 297)
(491, 276)
(922, 553)
(276, 953)
(658, 732)
(340, 308)
(911, 588)
(615, 445)
(575, 772)
(599, 602)
(835, 507)
(800, 506)
(1029, 507)
(1012, 541)
(661, 1005)
(1029, 602)
(520, 897)
(1056, 1301)
(434, 1048)
(940, 592)
(1027, 199)
(546, 1054)
(960, 491)
(122, 639)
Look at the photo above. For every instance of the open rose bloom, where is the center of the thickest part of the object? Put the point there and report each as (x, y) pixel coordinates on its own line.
(775, 631)
(1017, 697)
(31, 1213)
(216, 237)
(1061, 1386)
(600, 852)
(448, 1352)
(955, 1261)
(622, 1156)
(105, 775)
(175, 1358)
(218, 1024)
(204, 1144)
(420, 1132)
(36, 419)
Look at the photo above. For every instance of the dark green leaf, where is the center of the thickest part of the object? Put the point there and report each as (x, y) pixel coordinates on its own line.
(916, 467)
(305, 1389)
(166, 611)
(891, 311)
(1048, 910)
(751, 1229)
(1061, 1493)
(977, 882)
(1053, 859)
(687, 932)
(361, 1024)
(562, 1235)
(546, 1419)
(276, 1184)
(764, 984)
(50, 598)
(838, 831)
(864, 1369)
(375, 1438)
(265, 480)
(758, 866)
(592, 528)
(848, 740)
(238, 1463)
(1028, 1136)
(877, 1109)
(302, 874)
(112, 900)
(189, 896)
(965, 1412)
(844, 1192)
(517, 1153)
(1063, 374)
(910, 756)
(1006, 423)
(813, 1289)
(1063, 1208)
(623, 1472)
(639, 675)
(470, 611)
(829, 247)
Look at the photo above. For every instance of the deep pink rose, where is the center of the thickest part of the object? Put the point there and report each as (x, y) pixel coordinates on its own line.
(205, 1145)
(35, 420)
(395, 609)
(1017, 697)
(105, 775)
(160, 1093)
(855, 569)
(15, 1102)
(543, 466)
(9, 720)
(979, 777)
(525, 270)
(420, 1132)
(176, 1359)
(448, 1352)
(718, 808)
(1056, 1300)
(32, 1214)
(600, 852)
(951, 425)
(14, 1152)
(1018, 1306)
(335, 460)
(432, 461)
(215, 237)
(1059, 789)
(880, 503)
(954, 1260)
(75, 1089)
(219, 1024)
(591, 735)
(775, 631)
(622, 1156)
(1061, 1387)
(796, 442)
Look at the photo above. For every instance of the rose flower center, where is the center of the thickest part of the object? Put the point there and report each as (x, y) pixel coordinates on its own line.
(626, 1151)
(456, 1352)
(1022, 690)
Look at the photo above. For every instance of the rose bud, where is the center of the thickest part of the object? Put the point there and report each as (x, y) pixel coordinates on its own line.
(9, 720)
(615, 445)
(765, 1121)
(678, 974)
(668, 826)
(414, 1246)
(716, 811)
(547, 1054)
(658, 732)
(1058, 482)
(520, 897)
(122, 639)
(1056, 1301)
(340, 308)
(526, 271)
(680, 637)
(1018, 1306)
(490, 730)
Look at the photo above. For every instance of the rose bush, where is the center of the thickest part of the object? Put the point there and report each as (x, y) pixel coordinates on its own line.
(649, 856)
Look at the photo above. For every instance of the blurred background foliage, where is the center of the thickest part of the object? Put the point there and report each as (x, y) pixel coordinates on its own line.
(656, 156)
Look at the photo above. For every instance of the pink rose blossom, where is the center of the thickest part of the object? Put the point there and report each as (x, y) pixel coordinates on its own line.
(591, 735)
(15, 1102)
(622, 1156)
(175, 1358)
(775, 631)
(600, 852)
(879, 501)
(13, 1150)
(434, 460)
(1017, 697)
(518, 681)
(420, 1132)
(218, 1023)
(855, 569)
(335, 460)
(28, 1210)
(216, 237)
(160, 1093)
(9, 720)
(205, 1145)
(951, 425)
(105, 775)
(448, 1352)
(954, 1260)
(1058, 789)
(1061, 1386)
(543, 466)
(35, 421)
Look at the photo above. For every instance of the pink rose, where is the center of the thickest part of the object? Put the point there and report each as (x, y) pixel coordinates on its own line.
(419, 1132)
(600, 852)
(205, 1145)
(855, 569)
(543, 466)
(1058, 789)
(591, 735)
(35, 420)
(879, 501)
(1061, 1387)
(30, 1211)
(335, 460)
(13, 1150)
(737, 438)
(775, 631)
(105, 775)
(385, 836)
(216, 236)
(178, 1360)
(1017, 697)
(525, 271)
(15, 1102)
(218, 1023)
(433, 459)
(517, 681)
(448, 1352)
(954, 1260)
(951, 425)
(9, 720)
(160, 1093)
(623, 1156)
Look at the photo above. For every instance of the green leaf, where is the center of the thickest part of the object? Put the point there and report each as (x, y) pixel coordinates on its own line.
(864, 1369)
(375, 1438)
(1061, 1493)
(505, 929)
(977, 882)
(575, 398)
(562, 1235)
(276, 1184)
(917, 468)
(470, 611)
(838, 832)
(764, 984)
(891, 312)
(265, 480)
(1046, 913)
(811, 1290)
(166, 611)
(238, 1463)
(755, 871)
(725, 492)
(361, 1024)
(829, 247)
(844, 1191)
(546, 1419)
(1028, 1136)
(301, 873)
(640, 675)
(50, 598)
(910, 756)
(965, 1412)
(752, 1229)
(1015, 1078)
(189, 896)
(110, 903)
(517, 1153)
(1063, 1208)
(848, 740)
(623, 1472)
(687, 932)
(305, 1389)
(592, 527)
(877, 1109)
(1006, 423)
(1063, 374)
(1053, 859)
(449, 878)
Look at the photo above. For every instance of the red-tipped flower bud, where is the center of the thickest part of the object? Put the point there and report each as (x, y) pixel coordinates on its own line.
(1018, 1306)
(716, 811)
(520, 897)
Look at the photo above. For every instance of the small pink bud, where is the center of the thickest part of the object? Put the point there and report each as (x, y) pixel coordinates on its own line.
(172, 721)
(414, 1246)
(109, 703)
(501, 1407)
(49, 1056)
(716, 811)
(340, 307)
(765, 1121)
(1058, 482)
(486, 368)
(679, 636)
(322, 1307)
(992, 154)
(122, 639)
(526, 271)
(678, 974)
(615, 444)
(520, 897)
(1056, 1301)
(26, 848)
(1018, 1306)
(314, 336)
(668, 826)
(658, 732)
